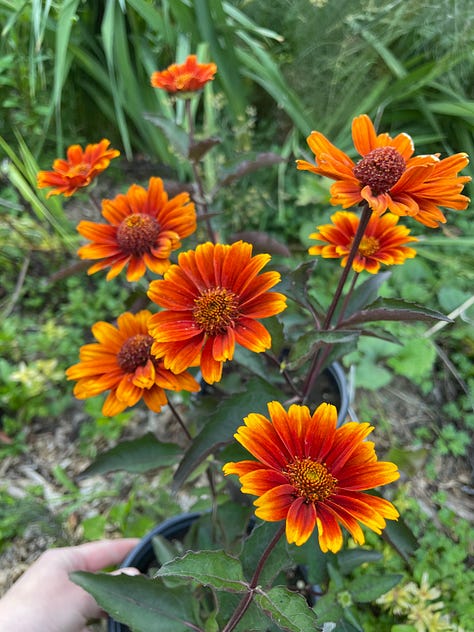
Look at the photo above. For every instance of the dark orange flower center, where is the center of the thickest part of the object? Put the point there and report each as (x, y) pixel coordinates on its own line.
(311, 479)
(137, 234)
(368, 246)
(380, 169)
(216, 310)
(81, 169)
(183, 80)
(135, 352)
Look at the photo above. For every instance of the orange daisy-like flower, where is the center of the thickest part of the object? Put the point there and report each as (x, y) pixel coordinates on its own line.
(388, 176)
(212, 299)
(120, 362)
(383, 241)
(80, 168)
(313, 474)
(181, 78)
(144, 228)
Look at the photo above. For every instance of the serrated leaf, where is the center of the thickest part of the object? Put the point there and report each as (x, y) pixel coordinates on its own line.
(175, 135)
(366, 293)
(294, 283)
(145, 605)
(223, 421)
(305, 347)
(367, 588)
(137, 455)
(210, 568)
(393, 309)
(287, 609)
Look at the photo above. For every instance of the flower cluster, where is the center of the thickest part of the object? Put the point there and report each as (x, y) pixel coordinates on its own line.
(307, 471)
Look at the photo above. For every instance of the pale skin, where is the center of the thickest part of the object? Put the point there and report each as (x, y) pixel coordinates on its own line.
(45, 600)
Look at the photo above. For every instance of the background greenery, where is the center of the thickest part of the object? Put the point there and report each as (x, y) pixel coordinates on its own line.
(71, 69)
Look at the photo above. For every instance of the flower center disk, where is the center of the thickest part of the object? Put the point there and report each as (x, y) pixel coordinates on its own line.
(380, 169)
(311, 479)
(137, 234)
(368, 246)
(135, 352)
(216, 310)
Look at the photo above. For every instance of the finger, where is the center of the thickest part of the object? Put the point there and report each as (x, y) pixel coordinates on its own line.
(94, 556)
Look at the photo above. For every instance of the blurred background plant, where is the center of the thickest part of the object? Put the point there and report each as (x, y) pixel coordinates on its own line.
(70, 69)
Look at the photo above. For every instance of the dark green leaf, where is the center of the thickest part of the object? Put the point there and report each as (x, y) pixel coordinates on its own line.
(349, 559)
(294, 283)
(366, 293)
(224, 420)
(289, 610)
(393, 309)
(210, 568)
(176, 136)
(261, 161)
(401, 538)
(145, 605)
(305, 347)
(256, 544)
(262, 242)
(137, 455)
(368, 588)
(200, 148)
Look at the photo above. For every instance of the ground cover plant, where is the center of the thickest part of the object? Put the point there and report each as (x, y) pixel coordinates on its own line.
(418, 391)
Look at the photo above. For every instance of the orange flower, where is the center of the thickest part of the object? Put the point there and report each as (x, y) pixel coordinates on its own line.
(388, 176)
(312, 474)
(212, 299)
(383, 241)
(120, 362)
(188, 77)
(144, 228)
(80, 168)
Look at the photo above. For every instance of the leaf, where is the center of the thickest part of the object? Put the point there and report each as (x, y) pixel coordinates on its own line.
(414, 360)
(289, 610)
(200, 148)
(393, 309)
(294, 284)
(305, 347)
(261, 161)
(176, 136)
(366, 293)
(255, 545)
(349, 559)
(223, 421)
(210, 568)
(401, 538)
(368, 588)
(262, 242)
(145, 605)
(137, 455)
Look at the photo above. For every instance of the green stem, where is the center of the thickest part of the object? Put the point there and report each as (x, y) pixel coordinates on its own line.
(247, 599)
(201, 204)
(323, 353)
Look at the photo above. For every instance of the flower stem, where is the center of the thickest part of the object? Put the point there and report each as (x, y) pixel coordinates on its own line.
(323, 353)
(179, 419)
(201, 204)
(247, 599)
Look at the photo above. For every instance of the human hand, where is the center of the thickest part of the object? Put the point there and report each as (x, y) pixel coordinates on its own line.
(45, 600)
